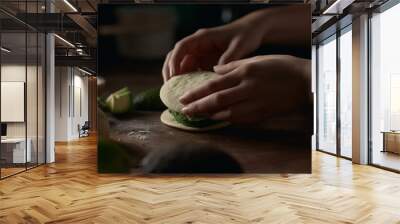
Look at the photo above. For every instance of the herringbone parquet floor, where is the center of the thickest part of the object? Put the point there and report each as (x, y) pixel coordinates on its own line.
(70, 191)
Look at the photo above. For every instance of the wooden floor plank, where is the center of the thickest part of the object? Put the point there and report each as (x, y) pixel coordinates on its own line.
(71, 191)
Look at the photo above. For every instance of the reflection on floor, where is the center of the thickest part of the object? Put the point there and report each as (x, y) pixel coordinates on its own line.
(71, 191)
(9, 170)
(387, 159)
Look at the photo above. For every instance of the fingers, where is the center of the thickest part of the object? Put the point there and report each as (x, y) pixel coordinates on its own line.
(231, 53)
(165, 69)
(223, 115)
(210, 87)
(226, 68)
(247, 111)
(188, 64)
(215, 102)
(178, 53)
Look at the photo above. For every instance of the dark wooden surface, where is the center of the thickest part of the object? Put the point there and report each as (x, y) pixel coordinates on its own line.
(257, 150)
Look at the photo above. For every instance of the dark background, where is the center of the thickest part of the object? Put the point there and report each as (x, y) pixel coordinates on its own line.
(190, 18)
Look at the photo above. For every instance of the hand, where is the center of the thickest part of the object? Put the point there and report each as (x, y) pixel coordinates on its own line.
(208, 47)
(251, 90)
(220, 45)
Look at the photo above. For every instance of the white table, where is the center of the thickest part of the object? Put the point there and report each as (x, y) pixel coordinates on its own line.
(18, 145)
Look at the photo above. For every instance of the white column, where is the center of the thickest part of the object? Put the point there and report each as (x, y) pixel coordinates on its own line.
(314, 92)
(360, 90)
(50, 99)
(50, 92)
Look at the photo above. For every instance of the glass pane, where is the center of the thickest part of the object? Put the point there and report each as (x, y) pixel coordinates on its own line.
(345, 94)
(41, 98)
(386, 88)
(327, 96)
(14, 153)
(31, 97)
(32, 85)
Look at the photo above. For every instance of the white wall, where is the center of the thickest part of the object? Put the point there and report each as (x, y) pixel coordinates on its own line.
(71, 94)
(62, 81)
(80, 96)
(16, 72)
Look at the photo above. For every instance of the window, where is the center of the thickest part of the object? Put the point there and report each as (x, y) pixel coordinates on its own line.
(326, 91)
(385, 89)
(334, 137)
(345, 92)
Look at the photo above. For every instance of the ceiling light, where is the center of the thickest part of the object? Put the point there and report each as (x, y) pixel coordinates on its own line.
(65, 41)
(338, 6)
(84, 71)
(5, 50)
(80, 51)
(70, 5)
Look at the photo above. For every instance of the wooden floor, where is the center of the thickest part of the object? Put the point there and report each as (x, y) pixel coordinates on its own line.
(387, 159)
(70, 191)
(10, 171)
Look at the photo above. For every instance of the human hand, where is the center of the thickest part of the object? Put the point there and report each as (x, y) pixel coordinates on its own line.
(252, 89)
(220, 45)
(208, 47)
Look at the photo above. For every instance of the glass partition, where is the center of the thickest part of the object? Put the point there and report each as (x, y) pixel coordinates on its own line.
(35, 87)
(15, 150)
(32, 97)
(41, 96)
(23, 91)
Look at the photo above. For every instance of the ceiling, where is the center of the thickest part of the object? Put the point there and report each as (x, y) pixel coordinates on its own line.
(76, 21)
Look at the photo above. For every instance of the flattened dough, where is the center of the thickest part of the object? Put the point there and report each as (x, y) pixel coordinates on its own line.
(178, 85)
(169, 120)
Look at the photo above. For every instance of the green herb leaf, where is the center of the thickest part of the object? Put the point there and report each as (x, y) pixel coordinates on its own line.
(196, 122)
